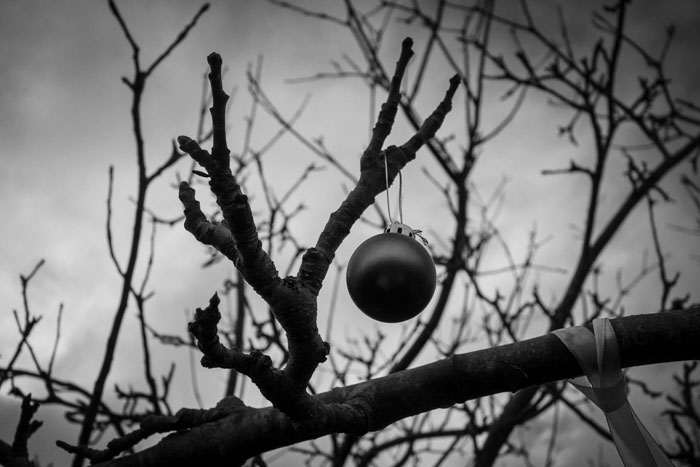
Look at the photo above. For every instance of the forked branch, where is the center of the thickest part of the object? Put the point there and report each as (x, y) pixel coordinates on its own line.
(293, 299)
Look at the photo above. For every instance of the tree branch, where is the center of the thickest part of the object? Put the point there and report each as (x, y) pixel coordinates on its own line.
(373, 181)
(17, 455)
(643, 340)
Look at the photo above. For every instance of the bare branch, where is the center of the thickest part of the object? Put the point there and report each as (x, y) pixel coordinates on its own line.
(180, 37)
(372, 182)
(442, 383)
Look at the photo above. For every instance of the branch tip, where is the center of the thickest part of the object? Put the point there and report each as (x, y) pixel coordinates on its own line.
(214, 300)
(184, 142)
(406, 54)
(214, 60)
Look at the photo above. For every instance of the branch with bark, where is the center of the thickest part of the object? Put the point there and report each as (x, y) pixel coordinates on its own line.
(292, 299)
(244, 432)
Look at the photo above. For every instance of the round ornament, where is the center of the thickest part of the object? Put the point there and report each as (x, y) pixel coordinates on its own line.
(391, 276)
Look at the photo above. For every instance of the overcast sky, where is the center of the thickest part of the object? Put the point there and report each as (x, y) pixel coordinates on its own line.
(64, 120)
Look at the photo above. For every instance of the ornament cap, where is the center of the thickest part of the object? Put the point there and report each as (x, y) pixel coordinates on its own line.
(399, 228)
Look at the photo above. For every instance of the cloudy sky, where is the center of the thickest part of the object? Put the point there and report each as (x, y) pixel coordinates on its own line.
(64, 119)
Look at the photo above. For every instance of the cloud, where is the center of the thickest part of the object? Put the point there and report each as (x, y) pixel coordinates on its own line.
(65, 119)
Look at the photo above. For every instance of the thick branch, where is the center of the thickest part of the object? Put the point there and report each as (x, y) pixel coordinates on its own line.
(219, 148)
(253, 262)
(208, 233)
(643, 340)
(273, 383)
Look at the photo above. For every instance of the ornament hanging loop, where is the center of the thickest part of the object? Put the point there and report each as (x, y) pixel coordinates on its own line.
(388, 201)
(398, 226)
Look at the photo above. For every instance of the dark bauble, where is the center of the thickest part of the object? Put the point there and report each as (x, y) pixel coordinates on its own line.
(391, 277)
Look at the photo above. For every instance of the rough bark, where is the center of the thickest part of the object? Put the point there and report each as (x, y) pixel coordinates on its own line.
(245, 432)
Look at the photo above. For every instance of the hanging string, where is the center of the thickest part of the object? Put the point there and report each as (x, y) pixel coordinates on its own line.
(417, 233)
(388, 202)
(400, 198)
(386, 178)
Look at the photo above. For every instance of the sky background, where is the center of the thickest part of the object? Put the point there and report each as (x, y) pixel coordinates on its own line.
(64, 120)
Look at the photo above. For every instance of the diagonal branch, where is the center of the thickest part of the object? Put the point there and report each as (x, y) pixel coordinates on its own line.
(208, 233)
(373, 181)
(292, 300)
(253, 262)
(180, 37)
(387, 115)
(374, 404)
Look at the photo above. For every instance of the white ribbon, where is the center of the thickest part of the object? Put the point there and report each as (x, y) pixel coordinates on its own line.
(599, 357)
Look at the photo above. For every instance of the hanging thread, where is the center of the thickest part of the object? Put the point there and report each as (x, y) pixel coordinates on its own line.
(388, 202)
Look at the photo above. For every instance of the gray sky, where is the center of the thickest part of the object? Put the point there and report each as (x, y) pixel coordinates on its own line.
(64, 120)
